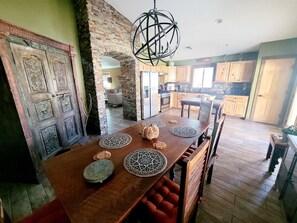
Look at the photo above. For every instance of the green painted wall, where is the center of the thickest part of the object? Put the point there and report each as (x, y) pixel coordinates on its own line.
(271, 49)
(218, 59)
(51, 18)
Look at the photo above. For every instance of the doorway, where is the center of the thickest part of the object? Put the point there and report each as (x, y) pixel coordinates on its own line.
(272, 90)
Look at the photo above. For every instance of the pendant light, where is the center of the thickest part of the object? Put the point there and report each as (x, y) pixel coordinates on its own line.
(159, 36)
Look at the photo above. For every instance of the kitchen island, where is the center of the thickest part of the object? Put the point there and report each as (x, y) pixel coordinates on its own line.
(217, 105)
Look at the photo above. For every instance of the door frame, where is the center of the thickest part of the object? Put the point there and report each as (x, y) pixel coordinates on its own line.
(288, 97)
(7, 32)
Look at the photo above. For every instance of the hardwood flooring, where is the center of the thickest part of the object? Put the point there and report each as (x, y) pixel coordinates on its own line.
(241, 190)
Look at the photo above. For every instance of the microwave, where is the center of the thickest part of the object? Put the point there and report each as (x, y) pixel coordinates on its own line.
(170, 87)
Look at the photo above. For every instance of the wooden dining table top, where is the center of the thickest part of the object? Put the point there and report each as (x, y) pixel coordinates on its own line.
(112, 200)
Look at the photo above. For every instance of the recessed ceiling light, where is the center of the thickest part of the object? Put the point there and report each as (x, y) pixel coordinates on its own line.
(218, 21)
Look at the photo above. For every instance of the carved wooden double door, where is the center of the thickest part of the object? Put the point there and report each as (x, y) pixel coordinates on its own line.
(46, 85)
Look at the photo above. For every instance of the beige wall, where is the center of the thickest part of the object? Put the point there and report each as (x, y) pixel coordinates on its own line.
(114, 73)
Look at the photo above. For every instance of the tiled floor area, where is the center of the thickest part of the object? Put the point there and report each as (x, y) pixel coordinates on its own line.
(241, 189)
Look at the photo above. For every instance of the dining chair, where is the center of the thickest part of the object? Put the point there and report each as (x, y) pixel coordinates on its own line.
(215, 137)
(52, 212)
(204, 115)
(168, 202)
(205, 110)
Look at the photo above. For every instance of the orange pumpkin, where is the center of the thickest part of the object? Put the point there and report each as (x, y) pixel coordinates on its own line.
(150, 132)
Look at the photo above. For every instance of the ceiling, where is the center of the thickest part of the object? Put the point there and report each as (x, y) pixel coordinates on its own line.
(245, 24)
(109, 62)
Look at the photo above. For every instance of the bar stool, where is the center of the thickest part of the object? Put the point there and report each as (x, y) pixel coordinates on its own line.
(277, 148)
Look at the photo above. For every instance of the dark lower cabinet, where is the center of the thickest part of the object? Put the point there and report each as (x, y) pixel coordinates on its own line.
(287, 180)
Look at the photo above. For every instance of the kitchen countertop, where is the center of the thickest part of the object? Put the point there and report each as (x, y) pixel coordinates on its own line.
(219, 96)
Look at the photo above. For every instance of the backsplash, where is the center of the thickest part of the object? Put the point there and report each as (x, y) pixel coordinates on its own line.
(242, 88)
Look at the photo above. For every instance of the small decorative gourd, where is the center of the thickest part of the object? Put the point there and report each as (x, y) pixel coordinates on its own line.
(150, 132)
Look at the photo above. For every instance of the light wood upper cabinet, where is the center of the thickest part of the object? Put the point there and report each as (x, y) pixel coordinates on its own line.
(222, 72)
(239, 71)
(183, 73)
(171, 77)
(235, 72)
(160, 69)
(247, 70)
(144, 67)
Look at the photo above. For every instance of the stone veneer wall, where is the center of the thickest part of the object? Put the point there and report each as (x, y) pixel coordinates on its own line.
(105, 32)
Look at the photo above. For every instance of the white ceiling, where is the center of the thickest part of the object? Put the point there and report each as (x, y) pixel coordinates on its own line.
(246, 23)
(109, 62)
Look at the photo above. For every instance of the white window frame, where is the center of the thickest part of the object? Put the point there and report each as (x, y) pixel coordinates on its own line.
(203, 84)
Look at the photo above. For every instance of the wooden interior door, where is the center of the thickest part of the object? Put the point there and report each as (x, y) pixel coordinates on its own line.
(271, 93)
(46, 86)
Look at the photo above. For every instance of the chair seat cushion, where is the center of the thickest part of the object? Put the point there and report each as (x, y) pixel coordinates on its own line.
(160, 204)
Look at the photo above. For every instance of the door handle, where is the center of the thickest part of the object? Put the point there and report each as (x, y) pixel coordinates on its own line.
(60, 95)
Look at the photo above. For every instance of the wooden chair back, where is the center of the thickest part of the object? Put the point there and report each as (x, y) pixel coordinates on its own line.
(205, 111)
(192, 178)
(216, 135)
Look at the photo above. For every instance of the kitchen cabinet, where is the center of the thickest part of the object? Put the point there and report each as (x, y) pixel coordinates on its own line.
(144, 67)
(183, 73)
(173, 99)
(234, 72)
(171, 77)
(176, 97)
(287, 180)
(247, 70)
(235, 105)
(194, 95)
(181, 96)
(238, 71)
(160, 68)
(222, 72)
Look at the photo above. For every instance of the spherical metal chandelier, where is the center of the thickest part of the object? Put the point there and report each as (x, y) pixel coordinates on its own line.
(159, 36)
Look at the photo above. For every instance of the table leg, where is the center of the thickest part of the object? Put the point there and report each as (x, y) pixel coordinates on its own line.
(182, 111)
(189, 109)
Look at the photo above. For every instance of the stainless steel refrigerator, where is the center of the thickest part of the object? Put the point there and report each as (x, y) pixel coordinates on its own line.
(149, 94)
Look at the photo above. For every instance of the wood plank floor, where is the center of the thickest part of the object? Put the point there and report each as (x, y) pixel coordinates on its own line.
(241, 189)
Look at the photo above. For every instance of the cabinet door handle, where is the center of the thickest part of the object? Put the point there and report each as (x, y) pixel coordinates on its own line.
(260, 95)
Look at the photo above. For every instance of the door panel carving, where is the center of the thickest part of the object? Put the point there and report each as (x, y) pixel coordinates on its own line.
(60, 75)
(46, 84)
(50, 139)
(35, 73)
(70, 128)
(44, 110)
(66, 104)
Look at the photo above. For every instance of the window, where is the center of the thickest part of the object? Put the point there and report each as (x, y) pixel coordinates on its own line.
(202, 77)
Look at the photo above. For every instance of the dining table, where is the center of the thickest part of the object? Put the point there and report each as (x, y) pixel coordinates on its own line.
(217, 105)
(113, 199)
